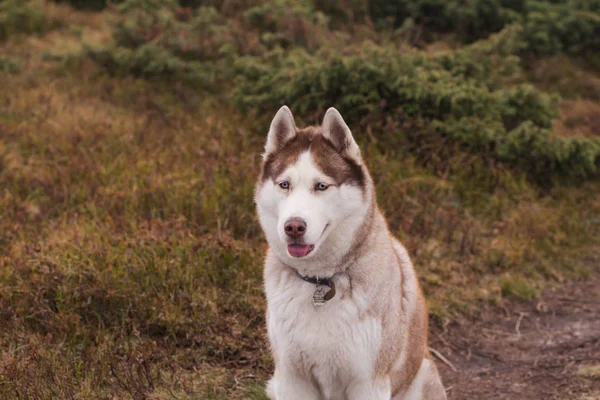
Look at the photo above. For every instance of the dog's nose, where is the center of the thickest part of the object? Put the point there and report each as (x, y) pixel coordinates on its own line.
(295, 227)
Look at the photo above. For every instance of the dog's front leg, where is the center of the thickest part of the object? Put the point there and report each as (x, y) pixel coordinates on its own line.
(379, 389)
(287, 385)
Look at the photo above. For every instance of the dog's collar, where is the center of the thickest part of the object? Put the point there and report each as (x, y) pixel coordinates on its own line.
(321, 294)
(318, 281)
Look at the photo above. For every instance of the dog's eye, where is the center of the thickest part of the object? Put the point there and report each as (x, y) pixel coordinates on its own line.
(321, 186)
(284, 184)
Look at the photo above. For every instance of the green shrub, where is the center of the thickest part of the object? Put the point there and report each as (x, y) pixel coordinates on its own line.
(550, 29)
(287, 23)
(157, 39)
(550, 26)
(469, 20)
(459, 95)
(151, 61)
(20, 16)
(8, 65)
(359, 79)
(342, 13)
(97, 5)
(92, 5)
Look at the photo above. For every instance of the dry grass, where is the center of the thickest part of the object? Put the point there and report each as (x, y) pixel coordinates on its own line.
(578, 118)
(592, 396)
(131, 256)
(589, 371)
(566, 76)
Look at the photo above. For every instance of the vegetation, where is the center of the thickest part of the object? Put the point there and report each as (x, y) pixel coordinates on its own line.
(130, 139)
(25, 17)
(460, 95)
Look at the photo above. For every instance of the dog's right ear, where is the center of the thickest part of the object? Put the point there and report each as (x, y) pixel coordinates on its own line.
(282, 129)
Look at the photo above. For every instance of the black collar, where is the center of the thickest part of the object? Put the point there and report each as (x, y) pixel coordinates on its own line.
(316, 280)
(320, 296)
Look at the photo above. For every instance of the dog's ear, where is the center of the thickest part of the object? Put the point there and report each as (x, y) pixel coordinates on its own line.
(282, 129)
(338, 133)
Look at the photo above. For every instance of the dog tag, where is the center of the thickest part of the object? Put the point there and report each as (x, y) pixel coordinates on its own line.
(323, 293)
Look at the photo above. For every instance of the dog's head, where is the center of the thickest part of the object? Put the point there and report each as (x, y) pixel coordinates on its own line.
(314, 191)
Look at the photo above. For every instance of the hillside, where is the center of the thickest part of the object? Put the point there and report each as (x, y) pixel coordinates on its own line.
(130, 141)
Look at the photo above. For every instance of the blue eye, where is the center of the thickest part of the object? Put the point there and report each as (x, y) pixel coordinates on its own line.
(321, 186)
(284, 185)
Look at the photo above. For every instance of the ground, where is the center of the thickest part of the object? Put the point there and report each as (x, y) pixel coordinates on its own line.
(546, 349)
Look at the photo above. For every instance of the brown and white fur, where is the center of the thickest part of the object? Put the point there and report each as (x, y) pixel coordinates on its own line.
(370, 340)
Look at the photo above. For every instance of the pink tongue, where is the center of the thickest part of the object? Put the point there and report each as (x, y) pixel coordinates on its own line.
(298, 250)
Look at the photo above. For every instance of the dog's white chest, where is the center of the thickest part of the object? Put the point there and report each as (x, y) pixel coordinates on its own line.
(332, 345)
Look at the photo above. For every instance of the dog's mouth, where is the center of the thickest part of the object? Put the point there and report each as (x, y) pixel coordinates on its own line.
(299, 250)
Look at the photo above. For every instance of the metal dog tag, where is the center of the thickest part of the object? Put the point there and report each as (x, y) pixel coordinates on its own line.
(323, 293)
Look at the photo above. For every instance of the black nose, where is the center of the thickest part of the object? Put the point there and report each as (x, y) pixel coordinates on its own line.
(295, 227)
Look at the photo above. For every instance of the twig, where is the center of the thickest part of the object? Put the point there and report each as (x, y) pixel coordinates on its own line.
(496, 332)
(443, 339)
(518, 325)
(443, 359)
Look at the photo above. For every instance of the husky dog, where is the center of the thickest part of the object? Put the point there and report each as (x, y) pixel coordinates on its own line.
(346, 317)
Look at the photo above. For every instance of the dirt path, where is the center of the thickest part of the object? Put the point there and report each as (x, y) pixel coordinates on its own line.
(546, 350)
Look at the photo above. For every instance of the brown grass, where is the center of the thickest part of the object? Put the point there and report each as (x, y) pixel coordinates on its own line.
(578, 118)
(566, 76)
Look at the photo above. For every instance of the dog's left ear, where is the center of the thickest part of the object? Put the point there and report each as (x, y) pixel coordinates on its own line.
(337, 132)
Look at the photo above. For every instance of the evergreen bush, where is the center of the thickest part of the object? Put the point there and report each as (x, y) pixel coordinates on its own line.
(459, 95)
(158, 39)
